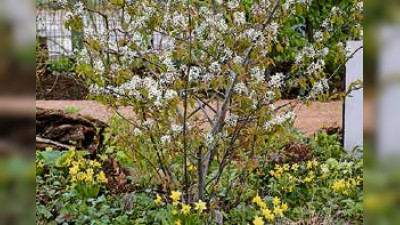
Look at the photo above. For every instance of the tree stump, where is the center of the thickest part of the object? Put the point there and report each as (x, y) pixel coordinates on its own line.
(61, 130)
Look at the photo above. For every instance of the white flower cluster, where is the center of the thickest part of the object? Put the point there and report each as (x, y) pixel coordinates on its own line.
(134, 88)
(280, 120)
(276, 81)
(257, 73)
(320, 87)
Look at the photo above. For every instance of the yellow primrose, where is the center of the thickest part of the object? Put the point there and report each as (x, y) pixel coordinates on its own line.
(101, 177)
(73, 170)
(267, 213)
(284, 207)
(258, 221)
(185, 209)
(175, 195)
(308, 179)
(286, 167)
(278, 211)
(178, 222)
(259, 202)
(174, 212)
(315, 163)
(158, 199)
(276, 201)
(81, 176)
(295, 167)
(200, 206)
(39, 165)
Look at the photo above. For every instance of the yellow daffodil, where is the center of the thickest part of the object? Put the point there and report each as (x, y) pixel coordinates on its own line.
(175, 195)
(258, 221)
(200, 206)
(158, 199)
(185, 209)
(276, 201)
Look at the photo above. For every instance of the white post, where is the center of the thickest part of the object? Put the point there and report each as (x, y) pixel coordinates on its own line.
(353, 107)
(388, 107)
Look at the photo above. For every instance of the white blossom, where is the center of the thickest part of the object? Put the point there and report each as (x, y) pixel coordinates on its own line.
(137, 132)
(165, 139)
(233, 4)
(319, 36)
(276, 80)
(170, 94)
(257, 73)
(78, 8)
(241, 88)
(194, 73)
(239, 17)
(176, 128)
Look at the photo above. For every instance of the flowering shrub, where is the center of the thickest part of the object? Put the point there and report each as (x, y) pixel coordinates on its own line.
(204, 80)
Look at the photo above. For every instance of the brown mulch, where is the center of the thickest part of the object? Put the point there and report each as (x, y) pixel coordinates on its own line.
(310, 119)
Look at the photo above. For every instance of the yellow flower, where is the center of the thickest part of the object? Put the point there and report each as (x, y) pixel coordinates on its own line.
(259, 202)
(272, 173)
(175, 195)
(39, 165)
(337, 186)
(101, 177)
(174, 212)
(291, 187)
(185, 209)
(276, 201)
(73, 170)
(81, 176)
(284, 207)
(315, 163)
(90, 172)
(295, 167)
(178, 222)
(308, 179)
(158, 199)
(175, 203)
(268, 214)
(258, 221)
(191, 168)
(278, 211)
(309, 165)
(200, 206)
(286, 167)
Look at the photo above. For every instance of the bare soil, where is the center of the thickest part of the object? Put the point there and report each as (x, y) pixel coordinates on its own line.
(309, 120)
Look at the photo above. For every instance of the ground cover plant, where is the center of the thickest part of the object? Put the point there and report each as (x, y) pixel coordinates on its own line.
(211, 142)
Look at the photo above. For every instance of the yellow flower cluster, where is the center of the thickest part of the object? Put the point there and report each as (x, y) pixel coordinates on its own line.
(84, 170)
(185, 209)
(269, 214)
(343, 186)
(279, 170)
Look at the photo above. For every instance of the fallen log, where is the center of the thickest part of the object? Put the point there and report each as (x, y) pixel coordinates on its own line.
(61, 130)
